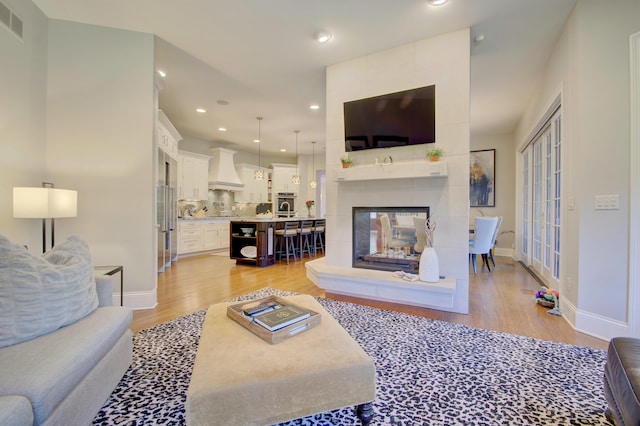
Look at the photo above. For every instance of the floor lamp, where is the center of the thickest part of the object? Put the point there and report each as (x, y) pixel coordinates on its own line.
(46, 203)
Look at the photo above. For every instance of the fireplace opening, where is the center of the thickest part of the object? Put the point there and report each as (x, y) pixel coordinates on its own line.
(388, 238)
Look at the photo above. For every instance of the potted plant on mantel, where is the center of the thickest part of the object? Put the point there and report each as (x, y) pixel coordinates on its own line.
(346, 161)
(435, 153)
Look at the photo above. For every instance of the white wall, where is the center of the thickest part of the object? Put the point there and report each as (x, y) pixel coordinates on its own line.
(100, 126)
(445, 62)
(23, 77)
(590, 68)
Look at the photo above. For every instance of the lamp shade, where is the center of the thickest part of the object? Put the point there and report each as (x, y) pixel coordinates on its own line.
(44, 203)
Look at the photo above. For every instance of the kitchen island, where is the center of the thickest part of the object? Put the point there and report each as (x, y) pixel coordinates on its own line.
(252, 240)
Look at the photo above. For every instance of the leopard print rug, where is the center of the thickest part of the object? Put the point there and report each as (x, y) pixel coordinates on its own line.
(428, 373)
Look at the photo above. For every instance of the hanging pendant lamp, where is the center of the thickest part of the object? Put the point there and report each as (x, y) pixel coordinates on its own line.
(313, 182)
(295, 179)
(259, 174)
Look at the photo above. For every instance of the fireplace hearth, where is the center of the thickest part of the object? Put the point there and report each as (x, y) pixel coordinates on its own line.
(388, 238)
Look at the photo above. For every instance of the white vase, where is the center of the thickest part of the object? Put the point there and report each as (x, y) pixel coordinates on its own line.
(429, 269)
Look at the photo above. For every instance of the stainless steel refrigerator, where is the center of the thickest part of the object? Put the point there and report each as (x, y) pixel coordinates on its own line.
(167, 209)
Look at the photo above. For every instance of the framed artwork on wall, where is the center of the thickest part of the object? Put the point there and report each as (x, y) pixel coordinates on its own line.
(482, 174)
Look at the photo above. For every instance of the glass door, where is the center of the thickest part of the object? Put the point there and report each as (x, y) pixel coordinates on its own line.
(541, 212)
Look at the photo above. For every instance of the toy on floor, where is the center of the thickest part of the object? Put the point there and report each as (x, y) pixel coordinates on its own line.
(549, 297)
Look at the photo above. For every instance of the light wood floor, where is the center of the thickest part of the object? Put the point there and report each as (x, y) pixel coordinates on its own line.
(501, 300)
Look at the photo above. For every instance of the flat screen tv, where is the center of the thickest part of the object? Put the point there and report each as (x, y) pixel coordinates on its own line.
(395, 119)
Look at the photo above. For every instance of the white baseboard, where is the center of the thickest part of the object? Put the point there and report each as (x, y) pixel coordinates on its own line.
(504, 252)
(138, 300)
(591, 324)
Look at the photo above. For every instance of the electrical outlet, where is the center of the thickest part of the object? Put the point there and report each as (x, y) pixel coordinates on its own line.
(607, 202)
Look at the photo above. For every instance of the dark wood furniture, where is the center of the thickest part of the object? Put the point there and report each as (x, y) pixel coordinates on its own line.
(256, 247)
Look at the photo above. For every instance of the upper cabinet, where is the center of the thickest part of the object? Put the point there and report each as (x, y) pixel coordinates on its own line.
(281, 178)
(167, 137)
(255, 191)
(193, 176)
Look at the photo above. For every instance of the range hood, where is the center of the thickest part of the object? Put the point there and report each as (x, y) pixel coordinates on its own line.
(222, 171)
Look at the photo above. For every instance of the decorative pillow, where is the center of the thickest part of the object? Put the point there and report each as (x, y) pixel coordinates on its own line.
(39, 294)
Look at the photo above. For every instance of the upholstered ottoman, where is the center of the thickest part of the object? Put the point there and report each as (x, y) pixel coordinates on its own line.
(239, 379)
(622, 381)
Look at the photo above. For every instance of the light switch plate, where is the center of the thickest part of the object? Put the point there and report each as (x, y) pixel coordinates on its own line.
(607, 202)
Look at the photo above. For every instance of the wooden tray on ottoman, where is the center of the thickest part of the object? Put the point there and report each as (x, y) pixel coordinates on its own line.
(273, 337)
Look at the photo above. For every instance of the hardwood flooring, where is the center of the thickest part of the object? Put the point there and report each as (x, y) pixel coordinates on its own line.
(501, 300)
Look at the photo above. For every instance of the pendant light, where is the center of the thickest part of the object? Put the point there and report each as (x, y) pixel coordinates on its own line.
(259, 174)
(313, 182)
(295, 179)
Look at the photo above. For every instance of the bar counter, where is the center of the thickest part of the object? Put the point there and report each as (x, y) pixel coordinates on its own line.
(253, 240)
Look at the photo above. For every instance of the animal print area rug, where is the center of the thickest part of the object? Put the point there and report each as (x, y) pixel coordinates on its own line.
(428, 373)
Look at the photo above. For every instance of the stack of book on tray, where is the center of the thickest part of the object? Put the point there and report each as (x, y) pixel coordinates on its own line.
(274, 316)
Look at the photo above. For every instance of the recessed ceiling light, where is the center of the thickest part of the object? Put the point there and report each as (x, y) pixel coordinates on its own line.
(437, 2)
(222, 129)
(283, 150)
(479, 38)
(201, 110)
(314, 106)
(162, 73)
(256, 140)
(323, 36)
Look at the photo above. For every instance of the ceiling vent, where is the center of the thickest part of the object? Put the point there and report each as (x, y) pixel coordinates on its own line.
(10, 20)
(222, 171)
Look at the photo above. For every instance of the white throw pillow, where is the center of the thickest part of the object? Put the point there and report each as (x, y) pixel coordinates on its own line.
(39, 294)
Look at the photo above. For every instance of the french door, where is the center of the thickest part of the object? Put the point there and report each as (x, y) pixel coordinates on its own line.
(541, 206)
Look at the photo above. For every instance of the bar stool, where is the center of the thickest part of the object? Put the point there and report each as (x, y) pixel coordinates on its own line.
(286, 236)
(318, 235)
(305, 232)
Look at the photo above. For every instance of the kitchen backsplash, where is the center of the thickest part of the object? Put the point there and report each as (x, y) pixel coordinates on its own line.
(219, 203)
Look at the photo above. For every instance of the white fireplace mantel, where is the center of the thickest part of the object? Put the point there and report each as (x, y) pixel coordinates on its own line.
(400, 170)
(381, 285)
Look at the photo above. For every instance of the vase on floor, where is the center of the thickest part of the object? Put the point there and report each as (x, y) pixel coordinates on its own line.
(429, 269)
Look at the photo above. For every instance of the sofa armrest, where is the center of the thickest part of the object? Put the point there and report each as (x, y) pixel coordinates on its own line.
(103, 288)
(15, 410)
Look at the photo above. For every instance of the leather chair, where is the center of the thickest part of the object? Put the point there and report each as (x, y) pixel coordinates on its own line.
(622, 381)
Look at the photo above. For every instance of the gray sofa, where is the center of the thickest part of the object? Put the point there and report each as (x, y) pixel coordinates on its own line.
(64, 377)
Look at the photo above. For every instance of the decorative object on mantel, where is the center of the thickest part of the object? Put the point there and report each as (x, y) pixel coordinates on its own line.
(309, 204)
(435, 153)
(346, 161)
(429, 267)
(549, 298)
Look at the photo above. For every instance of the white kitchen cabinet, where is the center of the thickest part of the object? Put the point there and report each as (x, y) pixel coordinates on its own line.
(255, 191)
(193, 176)
(203, 235)
(281, 178)
(190, 237)
(167, 136)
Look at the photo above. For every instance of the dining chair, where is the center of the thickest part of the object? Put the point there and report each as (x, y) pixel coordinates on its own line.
(481, 244)
(387, 234)
(493, 240)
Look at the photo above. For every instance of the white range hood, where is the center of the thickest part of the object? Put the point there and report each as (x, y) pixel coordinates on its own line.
(222, 171)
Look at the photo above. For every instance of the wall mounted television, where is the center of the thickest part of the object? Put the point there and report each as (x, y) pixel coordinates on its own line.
(395, 119)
